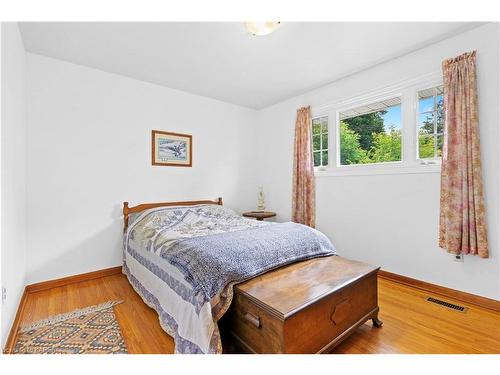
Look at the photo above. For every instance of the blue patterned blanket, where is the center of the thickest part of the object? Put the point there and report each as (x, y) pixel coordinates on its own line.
(209, 263)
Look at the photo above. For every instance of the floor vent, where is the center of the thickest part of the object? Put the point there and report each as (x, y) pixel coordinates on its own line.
(447, 304)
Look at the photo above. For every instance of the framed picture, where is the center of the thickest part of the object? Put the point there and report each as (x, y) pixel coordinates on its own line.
(171, 149)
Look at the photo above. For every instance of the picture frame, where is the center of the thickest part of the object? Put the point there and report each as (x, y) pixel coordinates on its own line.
(171, 149)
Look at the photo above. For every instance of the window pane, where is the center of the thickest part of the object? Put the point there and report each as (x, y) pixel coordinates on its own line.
(316, 127)
(439, 101)
(317, 158)
(371, 136)
(324, 158)
(440, 140)
(316, 142)
(440, 114)
(426, 104)
(440, 124)
(324, 141)
(324, 126)
(426, 123)
(425, 146)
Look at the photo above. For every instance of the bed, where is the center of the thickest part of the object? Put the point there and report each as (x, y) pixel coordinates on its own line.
(185, 258)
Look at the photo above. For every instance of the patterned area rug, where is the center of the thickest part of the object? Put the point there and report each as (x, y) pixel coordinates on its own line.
(92, 330)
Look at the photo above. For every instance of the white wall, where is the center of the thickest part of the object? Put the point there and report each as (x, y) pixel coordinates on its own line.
(89, 149)
(392, 220)
(13, 185)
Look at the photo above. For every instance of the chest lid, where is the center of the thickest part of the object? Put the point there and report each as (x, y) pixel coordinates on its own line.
(290, 289)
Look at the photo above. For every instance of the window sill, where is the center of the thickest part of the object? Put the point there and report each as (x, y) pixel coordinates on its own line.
(378, 170)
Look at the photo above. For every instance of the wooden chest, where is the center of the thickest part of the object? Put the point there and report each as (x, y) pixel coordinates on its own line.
(307, 307)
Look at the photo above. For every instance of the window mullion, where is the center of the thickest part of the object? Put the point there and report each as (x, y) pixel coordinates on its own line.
(321, 145)
(333, 145)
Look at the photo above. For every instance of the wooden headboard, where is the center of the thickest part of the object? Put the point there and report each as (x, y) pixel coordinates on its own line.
(145, 206)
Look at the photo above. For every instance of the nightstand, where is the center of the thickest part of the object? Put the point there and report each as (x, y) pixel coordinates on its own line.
(259, 215)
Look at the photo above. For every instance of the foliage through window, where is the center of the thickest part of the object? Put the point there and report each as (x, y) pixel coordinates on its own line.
(320, 141)
(430, 120)
(371, 133)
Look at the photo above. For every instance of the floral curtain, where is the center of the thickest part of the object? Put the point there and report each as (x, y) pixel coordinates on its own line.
(303, 206)
(462, 222)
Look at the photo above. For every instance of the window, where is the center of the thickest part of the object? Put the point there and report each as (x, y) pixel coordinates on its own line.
(394, 129)
(320, 141)
(430, 122)
(371, 133)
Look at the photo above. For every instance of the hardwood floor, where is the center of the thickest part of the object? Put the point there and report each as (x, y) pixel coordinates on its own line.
(411, 324)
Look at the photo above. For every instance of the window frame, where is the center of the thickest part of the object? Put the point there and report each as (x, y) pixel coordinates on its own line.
(410, 163)
(321, 167)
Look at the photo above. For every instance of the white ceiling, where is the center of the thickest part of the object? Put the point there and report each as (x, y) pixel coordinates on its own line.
(222, 61)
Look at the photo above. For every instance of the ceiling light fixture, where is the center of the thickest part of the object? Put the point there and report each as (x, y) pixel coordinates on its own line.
(261, 28)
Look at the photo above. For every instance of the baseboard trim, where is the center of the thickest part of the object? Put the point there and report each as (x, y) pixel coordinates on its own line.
(45, 285)
(11, 340)
(472, 299)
